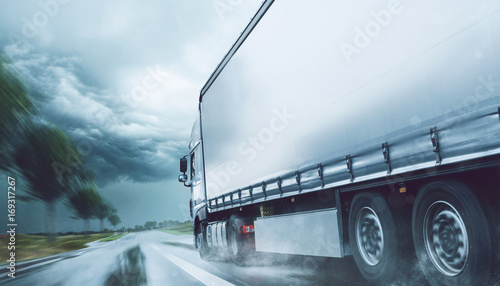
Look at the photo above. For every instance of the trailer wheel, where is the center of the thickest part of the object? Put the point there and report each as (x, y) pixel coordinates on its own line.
(235, 243)
(451, 235)
(373, 239)
(201, 242)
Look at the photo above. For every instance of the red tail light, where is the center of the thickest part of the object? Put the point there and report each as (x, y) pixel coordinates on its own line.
(248, 228)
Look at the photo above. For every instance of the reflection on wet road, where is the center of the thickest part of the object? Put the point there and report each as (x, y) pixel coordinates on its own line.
(157, 258)
(130, 269)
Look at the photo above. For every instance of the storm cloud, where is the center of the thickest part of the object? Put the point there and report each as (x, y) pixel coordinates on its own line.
(118, 138)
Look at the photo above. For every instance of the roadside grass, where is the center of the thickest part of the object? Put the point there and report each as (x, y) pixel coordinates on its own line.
(185, 228)
(36, 246)
(114, 237)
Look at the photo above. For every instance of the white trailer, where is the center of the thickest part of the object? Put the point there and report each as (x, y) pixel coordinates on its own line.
(366, 128)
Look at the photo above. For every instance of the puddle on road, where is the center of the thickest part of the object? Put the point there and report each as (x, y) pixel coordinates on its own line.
(130, 270)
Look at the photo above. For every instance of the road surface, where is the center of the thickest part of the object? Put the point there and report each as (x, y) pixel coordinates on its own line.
(158, 258)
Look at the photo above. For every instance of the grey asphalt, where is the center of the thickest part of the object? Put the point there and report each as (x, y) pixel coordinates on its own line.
(158, 258)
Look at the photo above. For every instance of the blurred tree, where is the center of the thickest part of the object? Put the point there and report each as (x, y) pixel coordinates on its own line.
(85, 202)
(15, 108)
(114, 220)
(45, 146)
(150, 224)
(139, 228)
(104, 210)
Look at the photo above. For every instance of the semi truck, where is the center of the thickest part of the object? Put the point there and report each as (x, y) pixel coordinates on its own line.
(371, 129)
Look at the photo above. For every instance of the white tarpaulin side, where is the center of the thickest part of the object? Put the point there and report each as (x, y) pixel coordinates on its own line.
(316, 81)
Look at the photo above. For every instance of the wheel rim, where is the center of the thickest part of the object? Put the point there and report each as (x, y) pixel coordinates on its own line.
(445, 238)
(200, 240)
(369, 236)
(234, 241)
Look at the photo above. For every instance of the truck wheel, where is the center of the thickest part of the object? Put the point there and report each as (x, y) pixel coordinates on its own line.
(202, 244)
(235, 243)
(373, 239)
(451, 235)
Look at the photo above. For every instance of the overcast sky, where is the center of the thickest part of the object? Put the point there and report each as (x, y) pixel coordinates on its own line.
(123, 79)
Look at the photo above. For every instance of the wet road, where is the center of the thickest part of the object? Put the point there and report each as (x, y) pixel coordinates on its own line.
(158, 258)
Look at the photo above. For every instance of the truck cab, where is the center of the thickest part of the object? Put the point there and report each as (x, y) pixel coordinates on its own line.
(192, 164)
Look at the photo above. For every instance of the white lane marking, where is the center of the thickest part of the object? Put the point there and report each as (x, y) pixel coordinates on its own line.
(198, 273)
(22, 269)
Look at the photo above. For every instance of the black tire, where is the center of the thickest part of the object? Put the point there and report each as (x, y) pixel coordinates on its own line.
(235, 243)
(201, 243)
(451, 235)
(373, 238)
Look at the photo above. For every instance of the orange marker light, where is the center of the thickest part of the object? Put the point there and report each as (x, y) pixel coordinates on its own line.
(248, 228)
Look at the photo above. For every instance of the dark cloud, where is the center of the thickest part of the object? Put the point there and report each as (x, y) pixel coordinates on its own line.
(119, 142)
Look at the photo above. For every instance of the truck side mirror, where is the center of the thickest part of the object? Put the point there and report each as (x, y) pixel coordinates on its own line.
(183, 165)
(183, 178)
